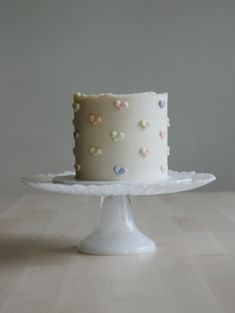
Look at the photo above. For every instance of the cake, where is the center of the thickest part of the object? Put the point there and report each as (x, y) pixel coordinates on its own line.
(120, 137)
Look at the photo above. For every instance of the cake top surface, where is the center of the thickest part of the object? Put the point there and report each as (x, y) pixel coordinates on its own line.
(109, 94)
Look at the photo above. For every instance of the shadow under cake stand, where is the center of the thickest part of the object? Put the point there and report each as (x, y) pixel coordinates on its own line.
(117, 232)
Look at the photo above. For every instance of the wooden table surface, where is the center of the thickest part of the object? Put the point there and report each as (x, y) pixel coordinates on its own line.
(193, 270)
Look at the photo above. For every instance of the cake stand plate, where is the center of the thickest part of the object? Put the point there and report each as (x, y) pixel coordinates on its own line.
(117, 232)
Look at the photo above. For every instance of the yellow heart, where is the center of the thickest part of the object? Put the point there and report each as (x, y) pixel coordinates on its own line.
(144, 123)
(144, 151)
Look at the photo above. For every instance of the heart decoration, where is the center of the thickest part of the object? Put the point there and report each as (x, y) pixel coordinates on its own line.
(94, 119)
(168, 122)
(161, 103)
(76, 107)
(75, 135)
(119, 170)
(117, 136)
(163, 168)
(76, 97)
(162, 134)
(120, 105)
(145, 124)
(144, 151)
(77, 167)
(95, 151)
(168, 150)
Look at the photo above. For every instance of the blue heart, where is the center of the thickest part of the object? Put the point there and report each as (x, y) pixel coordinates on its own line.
(75, 135)
(120, 170)
(161, 103)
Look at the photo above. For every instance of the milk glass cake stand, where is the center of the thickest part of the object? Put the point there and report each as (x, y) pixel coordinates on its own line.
(117, 232)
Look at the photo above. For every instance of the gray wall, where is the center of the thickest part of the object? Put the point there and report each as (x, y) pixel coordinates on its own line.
(49, 49)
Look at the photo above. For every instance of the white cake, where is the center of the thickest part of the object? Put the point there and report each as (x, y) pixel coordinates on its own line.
(120, 137)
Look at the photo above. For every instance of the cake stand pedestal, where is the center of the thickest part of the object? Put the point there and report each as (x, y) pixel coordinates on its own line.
(116, 232)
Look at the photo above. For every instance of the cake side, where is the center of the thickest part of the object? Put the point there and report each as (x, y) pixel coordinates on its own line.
(121, 137)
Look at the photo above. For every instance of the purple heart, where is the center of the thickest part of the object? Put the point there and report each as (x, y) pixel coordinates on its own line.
(75, 135)
(120, 170)
(161, 103)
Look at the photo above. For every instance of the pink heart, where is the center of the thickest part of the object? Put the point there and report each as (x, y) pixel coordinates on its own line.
(162, 134)
(120, 105)
(77, 167)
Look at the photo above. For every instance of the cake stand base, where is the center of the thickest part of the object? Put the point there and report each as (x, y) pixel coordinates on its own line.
(116, 232)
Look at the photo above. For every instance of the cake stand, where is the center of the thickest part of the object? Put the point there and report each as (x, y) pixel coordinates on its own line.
(116, 232)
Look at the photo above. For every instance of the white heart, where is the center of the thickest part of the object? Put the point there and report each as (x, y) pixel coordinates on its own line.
(168, 122)
(168, 150)
(95, 151)
(163, 168)
(117, 136)
(76, 107)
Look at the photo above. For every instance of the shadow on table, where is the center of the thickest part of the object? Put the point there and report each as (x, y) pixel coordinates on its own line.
(36, 250)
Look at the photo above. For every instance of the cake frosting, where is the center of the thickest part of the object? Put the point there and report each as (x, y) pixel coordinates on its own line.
(121, 137)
